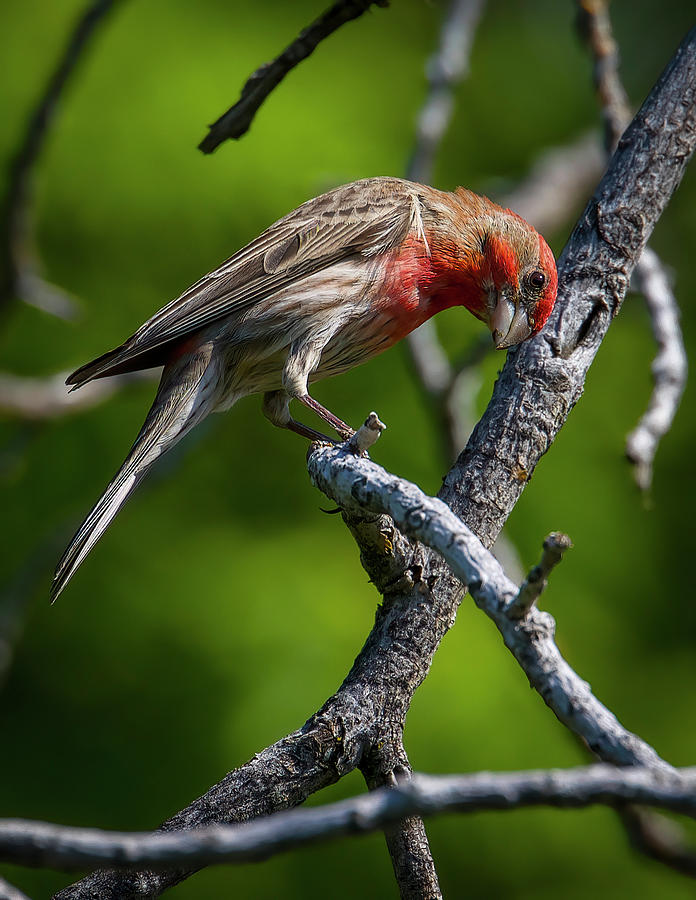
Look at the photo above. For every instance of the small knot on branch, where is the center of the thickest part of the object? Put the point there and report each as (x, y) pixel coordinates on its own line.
(369, 432)
(533, 586)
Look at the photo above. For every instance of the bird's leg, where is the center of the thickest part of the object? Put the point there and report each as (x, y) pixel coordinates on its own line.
(303, 358)
(342, 429)
(275, 408)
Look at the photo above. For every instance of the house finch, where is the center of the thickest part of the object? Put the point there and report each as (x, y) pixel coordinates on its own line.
(330, 285)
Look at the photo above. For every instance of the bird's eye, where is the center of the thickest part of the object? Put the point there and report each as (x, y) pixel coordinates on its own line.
(537, 280)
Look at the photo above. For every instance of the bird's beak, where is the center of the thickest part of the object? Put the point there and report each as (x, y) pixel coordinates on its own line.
(509, 323)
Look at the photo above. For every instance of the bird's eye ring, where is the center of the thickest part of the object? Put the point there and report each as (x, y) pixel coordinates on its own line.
(537, 280)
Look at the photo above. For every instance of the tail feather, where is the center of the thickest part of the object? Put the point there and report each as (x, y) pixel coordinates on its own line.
(96, 523)
(116, 362)
(185, 396)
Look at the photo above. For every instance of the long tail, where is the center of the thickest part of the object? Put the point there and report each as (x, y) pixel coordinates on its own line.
(185, 396)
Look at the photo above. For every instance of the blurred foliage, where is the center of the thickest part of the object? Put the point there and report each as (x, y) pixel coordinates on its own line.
(223, 607)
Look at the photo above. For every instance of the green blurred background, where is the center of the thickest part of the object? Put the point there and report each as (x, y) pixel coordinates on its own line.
(223, 607)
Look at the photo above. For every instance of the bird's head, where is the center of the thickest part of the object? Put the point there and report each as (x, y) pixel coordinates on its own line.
(495, 264)
(518, 278)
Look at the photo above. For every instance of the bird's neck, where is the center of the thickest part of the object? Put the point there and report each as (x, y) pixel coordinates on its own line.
(456, 275)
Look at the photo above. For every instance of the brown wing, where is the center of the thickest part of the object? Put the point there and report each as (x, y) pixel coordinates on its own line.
(366, 217)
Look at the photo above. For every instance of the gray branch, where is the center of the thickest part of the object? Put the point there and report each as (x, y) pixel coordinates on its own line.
(359, 485)
(536, 582)
(669, 366)
(19, 263)
(236, 121)
(448, 66)
(539, 384)
(64, 847)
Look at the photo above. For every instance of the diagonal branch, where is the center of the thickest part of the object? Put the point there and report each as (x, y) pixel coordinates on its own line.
(359, 485)
(236, 121)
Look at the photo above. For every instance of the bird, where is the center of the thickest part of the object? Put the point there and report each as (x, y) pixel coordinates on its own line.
(330, 285)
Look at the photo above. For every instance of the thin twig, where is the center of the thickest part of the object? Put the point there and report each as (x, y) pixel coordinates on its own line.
(536, 582)
(670, 365)
(669, 368)
(407, 841)
(19, 263)
(238, 118)
(64, 847)
(595, 26)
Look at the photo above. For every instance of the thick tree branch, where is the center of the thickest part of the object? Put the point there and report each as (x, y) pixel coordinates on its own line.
(64, 847)
(236, 121)
(359, 484)
(19, 264)
(539, 385)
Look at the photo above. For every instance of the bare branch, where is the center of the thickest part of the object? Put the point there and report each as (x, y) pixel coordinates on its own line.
(19, 263)
(536, 582)
(236, 121)
(669, 366)
(359, 484)
(38, 399)
(407, 841)
(595, 27)
(64, 847)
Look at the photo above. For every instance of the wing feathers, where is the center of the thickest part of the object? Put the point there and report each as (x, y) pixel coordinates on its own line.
(367, 218)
